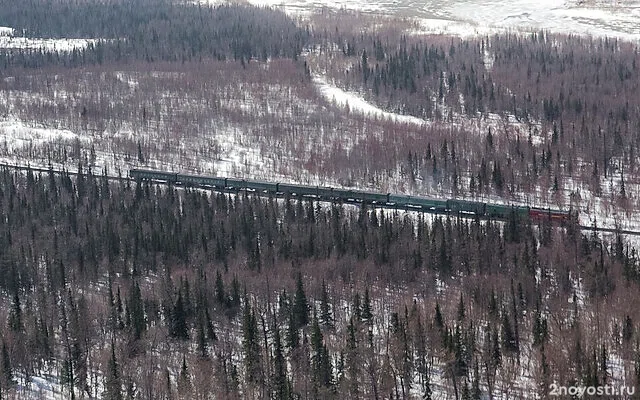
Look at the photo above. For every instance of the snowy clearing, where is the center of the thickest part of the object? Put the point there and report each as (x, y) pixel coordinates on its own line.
(6, 31)
(354, 103)
(61, 45)
(16, 134)
(8, 40)
(483, 17)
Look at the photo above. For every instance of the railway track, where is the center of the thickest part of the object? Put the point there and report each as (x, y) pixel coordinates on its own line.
(282, 195)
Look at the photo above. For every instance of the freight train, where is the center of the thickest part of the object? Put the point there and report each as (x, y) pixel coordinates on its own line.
(418, 203)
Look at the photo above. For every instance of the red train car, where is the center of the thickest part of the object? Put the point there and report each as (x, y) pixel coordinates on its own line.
(538, 214)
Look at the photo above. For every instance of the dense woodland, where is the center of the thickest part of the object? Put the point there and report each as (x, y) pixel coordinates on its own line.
(242, 297)
(149, 30)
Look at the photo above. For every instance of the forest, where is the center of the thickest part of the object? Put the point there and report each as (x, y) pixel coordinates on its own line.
(283, 299)
(148, 30)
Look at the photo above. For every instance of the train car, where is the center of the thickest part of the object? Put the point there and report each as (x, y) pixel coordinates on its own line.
(464, 206)
(235, 183)
(439, 206)
(501, 211)
(325, 192)
(538, 214)
(298, 190)
(196, 180)
(153, 175)
(374, 198)
(344, 194)
(505, 211)
(262, 186)
(403, 200)
(360, 196)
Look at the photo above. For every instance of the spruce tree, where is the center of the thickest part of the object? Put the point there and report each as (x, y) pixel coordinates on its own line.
(627, 329)
(496, 355)
(357, 308)
(136, 312)
(220, 294)
(320, 360)
(476, 393)
(508, 337)
(250, 343)
(7, 371)
(300, 304)
(280, 382)
(15, 315)
(438, 319)
(211, 333)
(202, 340)
(461, 309)
(426, 388)
(293, 339)
(325, 308)
(184, 381)
(352, 361)
(179, 328)
(367, 314)
(113, 384)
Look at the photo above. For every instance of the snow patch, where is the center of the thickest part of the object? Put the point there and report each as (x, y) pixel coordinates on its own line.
(6, 31)
(357, 104)
(8, 41)
(14, 134)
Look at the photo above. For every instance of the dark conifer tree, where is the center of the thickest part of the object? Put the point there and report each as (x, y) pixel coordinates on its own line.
(357, 308)
(250, 343)
(220, 294)
(179, 328)
(201, 339)
(300, 305)
(438, 320)
(6, 375)
(135, 310)
(211, 333)
(320, 360)
(461, 309)
(508, 337)
(627, 329)
(15, 315)
(280, 380)
(293, 338)
(113, 383)
(352, 363)
(367, 314)
(325, 308)
(184, 380)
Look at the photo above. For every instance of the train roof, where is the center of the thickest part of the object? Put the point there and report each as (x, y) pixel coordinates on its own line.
(152, 171)
(201, 176)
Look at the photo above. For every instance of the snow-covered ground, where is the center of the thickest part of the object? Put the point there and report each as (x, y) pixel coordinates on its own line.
(16, 134)
(481, 17)
(62, 45)
(9, 40)
(599, 18)
(355, 103)
(6, 31)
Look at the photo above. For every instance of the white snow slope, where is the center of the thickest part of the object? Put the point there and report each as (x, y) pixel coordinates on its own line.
(479, 17)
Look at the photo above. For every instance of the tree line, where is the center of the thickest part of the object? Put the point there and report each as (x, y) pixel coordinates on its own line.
(149, 30)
